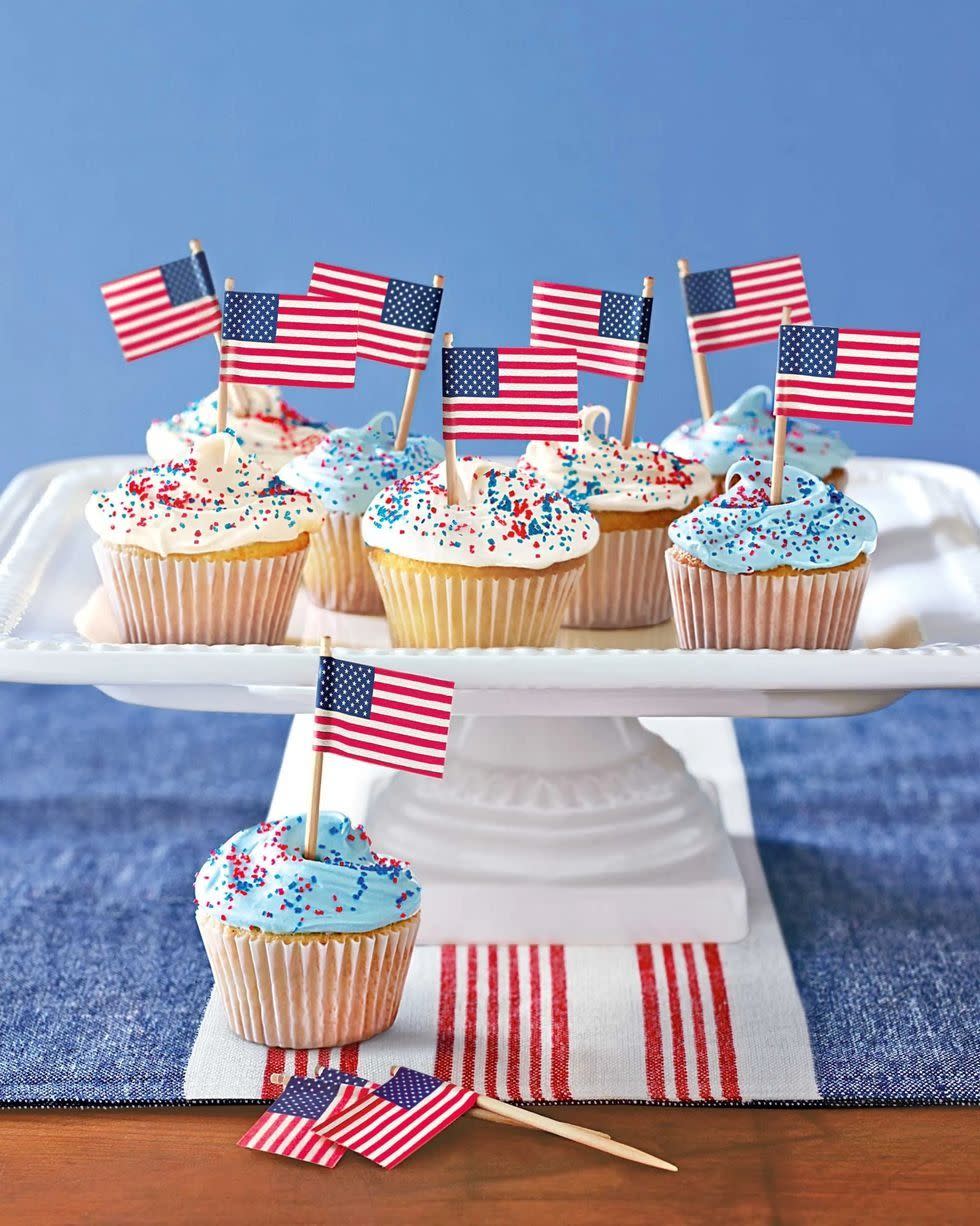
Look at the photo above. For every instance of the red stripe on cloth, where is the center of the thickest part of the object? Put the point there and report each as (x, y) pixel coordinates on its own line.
(723, 1024)
(697, 1015)
(300, 1062)
(275, 1062)
(535, 1052)
(513, 1025)
(323, 1057)
(560, 1088)
(446, 1033)
(493, 1027)
(676, 1026)
(349, 1055)
(469, 1025)
(653, 1047)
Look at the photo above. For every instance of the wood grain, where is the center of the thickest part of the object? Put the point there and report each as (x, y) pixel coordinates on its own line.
(736, 1166)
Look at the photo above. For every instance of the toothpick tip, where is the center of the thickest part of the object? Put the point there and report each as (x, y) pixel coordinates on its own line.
(682, 267)
(229, 282)
(195, 246)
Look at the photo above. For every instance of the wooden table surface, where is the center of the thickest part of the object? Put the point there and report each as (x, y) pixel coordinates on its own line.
(737, 1165)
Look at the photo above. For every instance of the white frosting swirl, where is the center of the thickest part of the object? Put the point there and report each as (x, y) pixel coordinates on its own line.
(220, 497)
(598, 472)
(505, 517)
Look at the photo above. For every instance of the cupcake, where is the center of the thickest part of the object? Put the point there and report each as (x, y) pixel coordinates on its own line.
(208, 549)
(496, 569)
(634, 493)
(268, 427)
(307, 953)
(345, 472)
(747, 428)
(745, 573)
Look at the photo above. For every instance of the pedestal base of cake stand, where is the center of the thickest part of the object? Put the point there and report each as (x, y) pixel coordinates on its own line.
(583, 831)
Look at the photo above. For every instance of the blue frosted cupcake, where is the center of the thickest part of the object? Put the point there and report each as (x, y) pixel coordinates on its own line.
(345, 471)
(307, 953)
(745, 573)
(747, 429)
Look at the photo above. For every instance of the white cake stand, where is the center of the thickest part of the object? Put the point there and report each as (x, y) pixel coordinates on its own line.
(563, 817)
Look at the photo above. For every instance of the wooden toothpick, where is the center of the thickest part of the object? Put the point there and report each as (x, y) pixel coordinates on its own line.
(779, 439)
(222, 422)
(411, 391)
(453, 491)
(700, 362)
(633, 388)
(313, 812)
(236, 400)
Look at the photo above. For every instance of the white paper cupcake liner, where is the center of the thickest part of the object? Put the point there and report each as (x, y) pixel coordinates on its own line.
(811, 609)
(436, 609)
(337, 574)
(287, 992)
(624, 582)
(166, 600)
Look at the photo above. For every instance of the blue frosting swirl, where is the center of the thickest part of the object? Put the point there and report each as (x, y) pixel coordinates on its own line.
(741, 532)
(260, 879)
(747, 428)
(353, 463)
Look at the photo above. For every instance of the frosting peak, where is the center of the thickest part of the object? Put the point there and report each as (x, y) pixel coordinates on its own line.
(747, 428)
(219, 498)
(352, 463)
(506, 517)
(599, 473)
(741, 532)
(260, 879)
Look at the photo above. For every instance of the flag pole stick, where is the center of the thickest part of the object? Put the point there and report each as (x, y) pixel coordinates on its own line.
(633, 388)
(411, 391)
(452, 472)
(313, 812)
(700, 362)
(236, 400)
(779, 439)
(222, 421)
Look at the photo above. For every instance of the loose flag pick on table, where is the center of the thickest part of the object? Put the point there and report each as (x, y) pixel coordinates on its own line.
(731, 307)
(610, 333)
(396, 323)
(287, 1127)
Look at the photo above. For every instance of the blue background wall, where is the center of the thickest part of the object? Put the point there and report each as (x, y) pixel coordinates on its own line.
(495, 144)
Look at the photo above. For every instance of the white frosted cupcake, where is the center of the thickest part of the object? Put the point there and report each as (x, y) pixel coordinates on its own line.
(268, 427)
(635, 494)
(496, 569)
(208, 549)
(344, 472)
(307, 953)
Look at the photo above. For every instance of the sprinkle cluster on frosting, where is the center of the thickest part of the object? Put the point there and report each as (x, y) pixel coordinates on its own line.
(747, 428)
(506, 517)
(259, 879)
(351, 464)
(741, 532)
(268, 426)
(219, 498)
(599, 473)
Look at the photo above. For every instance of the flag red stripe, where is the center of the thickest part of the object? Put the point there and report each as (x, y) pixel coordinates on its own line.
(338, 742)
(367, 736)
(676, 1026)
(382, 685)
(653, 1047)
(697, 1018)
(723, 1024)
(880, 419)
(560, 1088)
(839, 402)
(375, 761)
(446, 1031)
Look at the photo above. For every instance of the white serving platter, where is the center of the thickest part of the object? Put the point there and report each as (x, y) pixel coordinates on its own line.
(919, 627)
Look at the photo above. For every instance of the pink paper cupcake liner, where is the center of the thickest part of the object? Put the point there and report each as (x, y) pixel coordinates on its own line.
(624, 582)
(337, 574)
(810, 609)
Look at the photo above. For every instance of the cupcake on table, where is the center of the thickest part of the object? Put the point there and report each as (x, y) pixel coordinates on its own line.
(635, 493)
(747, 428)
(344, 472)
(207, 549)
(269, 428)
(745, 572)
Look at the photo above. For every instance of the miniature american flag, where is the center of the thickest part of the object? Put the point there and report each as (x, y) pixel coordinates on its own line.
(377, 715)
(510, 393)
(608, 331)
(396, 319)
(399, 1117)
(288, 338)
(730, 307)
(163, 306)
(286, 1128)
(847, 374)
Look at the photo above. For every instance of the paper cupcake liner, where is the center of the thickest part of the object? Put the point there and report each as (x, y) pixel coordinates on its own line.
(435, 609)
(337, 574)
(166, 600)
(289, 992)
(810, 609)
(624, 582)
